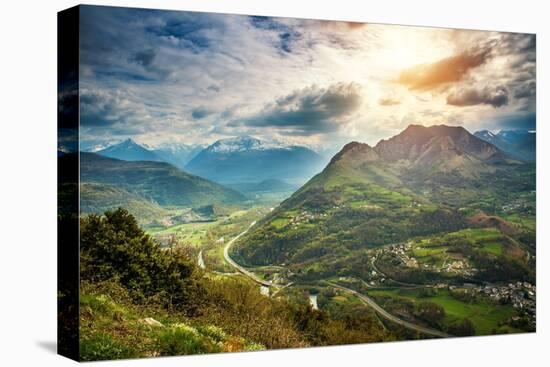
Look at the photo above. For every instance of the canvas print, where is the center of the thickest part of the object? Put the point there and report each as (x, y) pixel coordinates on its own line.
(233, 183)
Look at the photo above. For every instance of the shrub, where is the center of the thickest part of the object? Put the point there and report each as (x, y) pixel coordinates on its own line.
(113, 246)
(462, 328)
(182, 339)
(430, 312)
(213, 332)
(102, 347)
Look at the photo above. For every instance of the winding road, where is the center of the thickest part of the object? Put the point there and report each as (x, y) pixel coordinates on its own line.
(367, 300)
(239, 268)
(370, 302)
(200, 261)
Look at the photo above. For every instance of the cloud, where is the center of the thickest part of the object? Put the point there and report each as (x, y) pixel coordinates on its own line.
(157, 75)
(144, 58)
(310, 110)
(526, 90)
(67, 107)
(200, 112)
(496, 97)
(388, 101)
(283, 36)
(448, 70)
(103, 108)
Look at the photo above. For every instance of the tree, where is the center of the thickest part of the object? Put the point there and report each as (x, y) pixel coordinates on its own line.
(462, 328)
(113, 246)
(430, 312)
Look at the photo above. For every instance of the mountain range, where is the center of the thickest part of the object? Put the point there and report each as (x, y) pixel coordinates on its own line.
(175, 154)
(241, 161)
(422, 181)
(129, 150)
(178, 154)
(146, 188)
(246, 159)
(520, 144)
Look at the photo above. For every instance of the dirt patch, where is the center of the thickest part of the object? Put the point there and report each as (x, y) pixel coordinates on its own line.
(481, 219)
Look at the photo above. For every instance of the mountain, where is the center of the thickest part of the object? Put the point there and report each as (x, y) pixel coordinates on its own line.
(520, 144)
(97, 198)
(129, 150)
(423, 181)
(247, 159)
(177, 154)
(156, 182)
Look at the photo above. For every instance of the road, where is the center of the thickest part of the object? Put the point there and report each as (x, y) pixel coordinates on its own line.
(370, 302)
(373, 263)
(282, 288)
(200, 261)
(367, 300)
(239, 268)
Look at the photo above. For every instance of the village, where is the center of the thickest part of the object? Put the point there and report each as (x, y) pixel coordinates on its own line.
(403, 252)
(521, 295)
(304, 217)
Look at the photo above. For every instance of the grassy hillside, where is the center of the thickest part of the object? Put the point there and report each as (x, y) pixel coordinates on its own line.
(138, 300)
(337, 213)
(422, 182)
(97, 198)
(158, 182)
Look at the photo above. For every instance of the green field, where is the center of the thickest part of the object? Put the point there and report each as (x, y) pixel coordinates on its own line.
(488, 317)
(187, 233)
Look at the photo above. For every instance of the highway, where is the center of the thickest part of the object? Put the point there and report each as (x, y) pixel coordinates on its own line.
(370, 302)
(239, 268)
(367, 300)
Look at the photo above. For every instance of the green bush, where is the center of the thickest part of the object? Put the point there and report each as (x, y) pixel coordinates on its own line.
(213, 332)
(462, 328)
(113, 246)
(430, 312)
(103, 347)
(182, 339)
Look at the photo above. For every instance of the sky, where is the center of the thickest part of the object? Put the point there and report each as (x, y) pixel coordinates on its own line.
(171, 77)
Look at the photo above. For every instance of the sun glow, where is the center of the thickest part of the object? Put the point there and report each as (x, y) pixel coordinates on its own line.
(401, 49)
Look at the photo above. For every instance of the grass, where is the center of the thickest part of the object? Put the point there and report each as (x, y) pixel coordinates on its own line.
(189, 233)
(433, 250)
(494, 248)
(279, 222)
(115, 330)
(485, 315)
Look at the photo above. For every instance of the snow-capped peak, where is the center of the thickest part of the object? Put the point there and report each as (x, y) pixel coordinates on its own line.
(244, 143)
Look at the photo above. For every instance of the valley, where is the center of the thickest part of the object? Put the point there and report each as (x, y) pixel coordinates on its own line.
(390, 239)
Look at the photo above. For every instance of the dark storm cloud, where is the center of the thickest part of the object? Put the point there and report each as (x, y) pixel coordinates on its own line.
(97, 109)
(105, 108)
(495, 97)
(144, 58)
(448, 70)
(128, 44)
(67, 107)
(526, 90)
(200, 112)
(286, 36)
(311, 110)
(190, 31)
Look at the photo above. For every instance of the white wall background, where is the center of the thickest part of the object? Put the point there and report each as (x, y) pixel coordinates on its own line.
(28, 181)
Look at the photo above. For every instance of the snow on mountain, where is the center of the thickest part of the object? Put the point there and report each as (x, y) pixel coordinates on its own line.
(245, 143)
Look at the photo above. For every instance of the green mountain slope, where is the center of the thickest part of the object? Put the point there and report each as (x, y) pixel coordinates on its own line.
(98, 198)
(156, 182)
(424, 181)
